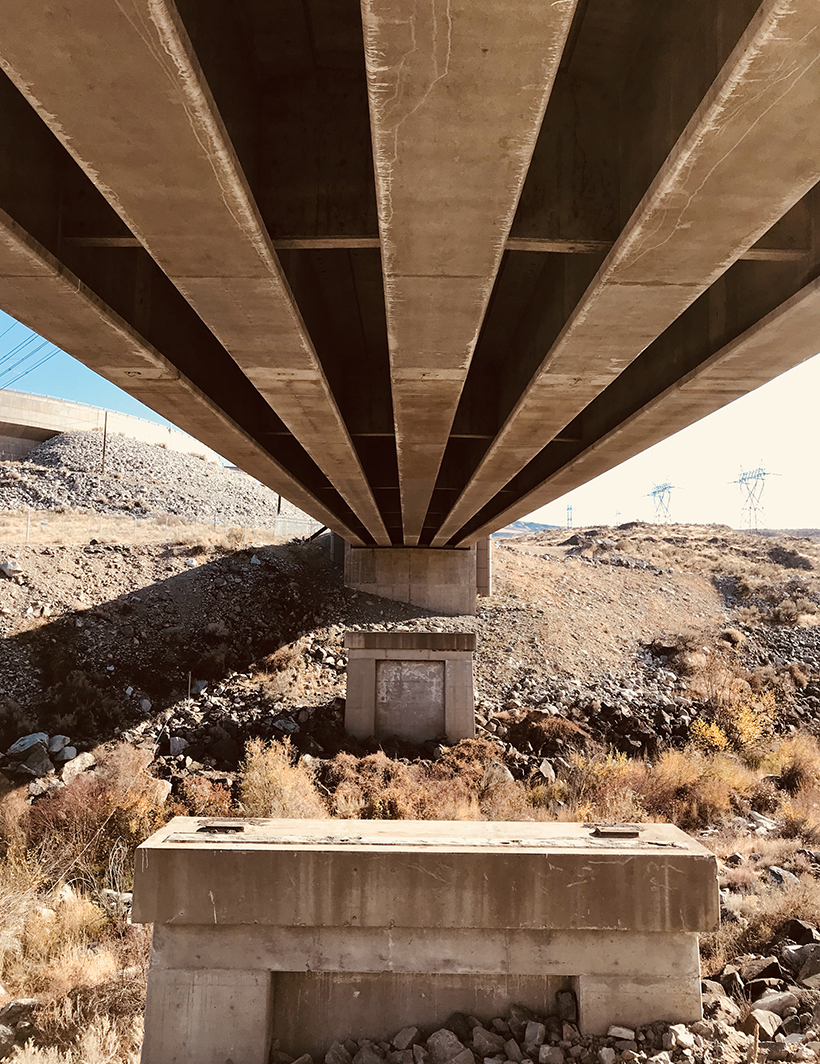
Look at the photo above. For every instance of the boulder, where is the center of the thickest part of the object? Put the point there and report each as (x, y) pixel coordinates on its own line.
(486, 1043)
(766, 1022)
(550, 1055)
(26, 743)
(78, 765)
(405, 1038)
(777, 1002)
(37, 763)
(443, 1046)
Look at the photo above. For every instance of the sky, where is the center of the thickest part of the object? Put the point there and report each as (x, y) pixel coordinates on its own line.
(776, 428)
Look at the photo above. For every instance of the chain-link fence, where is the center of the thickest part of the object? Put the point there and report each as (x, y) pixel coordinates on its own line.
(18, 527)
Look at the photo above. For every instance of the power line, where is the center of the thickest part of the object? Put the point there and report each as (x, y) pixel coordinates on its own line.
(25, 358)
(8, 330)
(31, 369)
(19, 347)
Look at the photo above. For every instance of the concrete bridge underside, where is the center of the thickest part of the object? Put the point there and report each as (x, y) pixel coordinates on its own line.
(419, 265)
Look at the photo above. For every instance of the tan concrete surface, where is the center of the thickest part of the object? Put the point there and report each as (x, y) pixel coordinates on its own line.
(40, 292)
(782, 339)
(457, 93)
(668, 199)
(437, 580)
(324, 929)
(399, 640)
(414, 685)
(506, 951)
(748, 154)
(207, 1017)
(204, 230)
(484, 566)
(455, 877)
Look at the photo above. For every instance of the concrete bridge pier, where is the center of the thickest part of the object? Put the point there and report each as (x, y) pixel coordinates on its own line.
(444, 581)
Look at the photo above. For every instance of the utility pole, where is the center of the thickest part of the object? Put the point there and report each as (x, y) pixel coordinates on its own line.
(105, 441)
(752, 484)
(662, 493)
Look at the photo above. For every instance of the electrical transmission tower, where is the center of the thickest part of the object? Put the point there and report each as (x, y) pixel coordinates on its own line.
(662, 493)
(752, 483)
(569, 517)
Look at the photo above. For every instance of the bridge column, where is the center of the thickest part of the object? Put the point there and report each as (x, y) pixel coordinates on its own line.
(484, 566)
(440, 580)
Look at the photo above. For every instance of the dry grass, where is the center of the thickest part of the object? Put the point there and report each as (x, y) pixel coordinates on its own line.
(687, 787)
(468, 782)
(86, 968)
(273, 785)
(101, 1042)
(759, 918)
(87, 832)
(75, 526)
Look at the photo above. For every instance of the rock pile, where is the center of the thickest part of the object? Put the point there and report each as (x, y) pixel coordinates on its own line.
(523, 1037)
(16, 1027)
(38, 754)
(140, 478)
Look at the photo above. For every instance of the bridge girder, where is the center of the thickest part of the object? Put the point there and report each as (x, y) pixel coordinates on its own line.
(420, 267)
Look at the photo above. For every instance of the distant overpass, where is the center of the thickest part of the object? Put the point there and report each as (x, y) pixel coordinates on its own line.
(27, 420)
(419, 265)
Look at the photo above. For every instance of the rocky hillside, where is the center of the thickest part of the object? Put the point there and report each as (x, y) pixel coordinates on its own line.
(625, 636)
(622, 674)
(65, 472)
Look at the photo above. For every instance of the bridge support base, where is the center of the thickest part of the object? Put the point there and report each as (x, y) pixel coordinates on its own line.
(308, 931)
(443, 581)
(414, 685)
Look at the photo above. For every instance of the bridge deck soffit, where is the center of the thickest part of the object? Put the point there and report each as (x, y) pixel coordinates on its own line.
(419, 267)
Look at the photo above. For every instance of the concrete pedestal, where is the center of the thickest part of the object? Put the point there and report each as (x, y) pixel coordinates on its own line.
(443, 581)
(307, 931)
(415, 685)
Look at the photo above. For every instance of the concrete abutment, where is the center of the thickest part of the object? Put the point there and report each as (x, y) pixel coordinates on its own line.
(412, 685)
(311, 931)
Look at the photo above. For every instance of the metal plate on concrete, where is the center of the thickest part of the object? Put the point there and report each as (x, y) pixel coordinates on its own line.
(410, 699)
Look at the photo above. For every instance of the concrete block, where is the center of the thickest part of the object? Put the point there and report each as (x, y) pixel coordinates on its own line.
(443, 581)
(415, 685)
(410, 699)
(207, 1017)
(360, 703)
(308, 931)
(476, 875)
(484, 566)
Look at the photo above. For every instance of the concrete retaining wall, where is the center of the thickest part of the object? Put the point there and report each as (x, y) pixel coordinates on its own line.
(26, 420)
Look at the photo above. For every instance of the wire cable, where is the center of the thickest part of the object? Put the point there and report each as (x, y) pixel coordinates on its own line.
(25, 358)
(37, 365)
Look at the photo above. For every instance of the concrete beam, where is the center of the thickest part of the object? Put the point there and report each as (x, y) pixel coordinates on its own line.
(778, 342)
(457, 94)
(39, 291)
(204, 230)
(749, 153)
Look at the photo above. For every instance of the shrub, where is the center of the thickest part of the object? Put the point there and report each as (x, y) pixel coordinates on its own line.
(797, 760)
(88, 830)
(271, 785)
